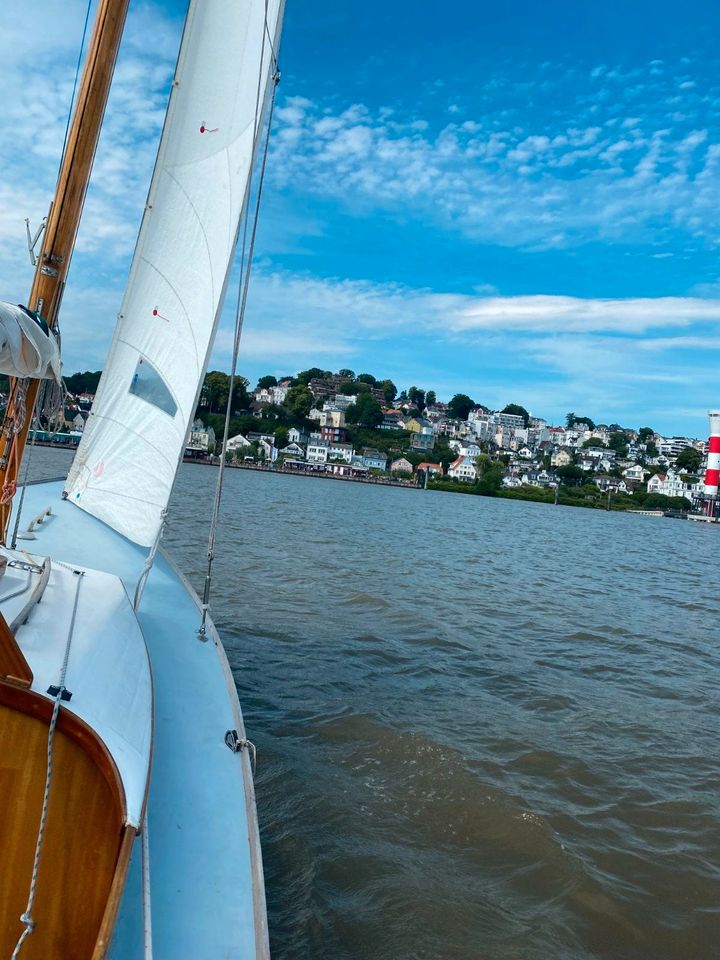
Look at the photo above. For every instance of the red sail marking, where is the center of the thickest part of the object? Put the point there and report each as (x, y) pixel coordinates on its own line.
(156, 313)
(204, 129)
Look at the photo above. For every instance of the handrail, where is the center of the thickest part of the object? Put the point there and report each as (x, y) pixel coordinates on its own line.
(29, 534)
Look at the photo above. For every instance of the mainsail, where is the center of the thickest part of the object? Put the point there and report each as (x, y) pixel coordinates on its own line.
(126, 463)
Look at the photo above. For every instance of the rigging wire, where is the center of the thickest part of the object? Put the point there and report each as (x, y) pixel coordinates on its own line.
(243, 287)
(75, 85)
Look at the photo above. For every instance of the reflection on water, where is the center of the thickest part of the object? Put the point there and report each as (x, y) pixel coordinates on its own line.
(486, 729)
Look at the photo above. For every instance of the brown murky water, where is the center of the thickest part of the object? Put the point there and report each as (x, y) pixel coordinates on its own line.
(486, 729)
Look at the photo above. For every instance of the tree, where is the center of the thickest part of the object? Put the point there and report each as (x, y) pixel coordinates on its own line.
(645, 434)
(518, 411)
(366, 378)
(570, 473)
(86, 382)
(299, 401)
(314, 373)
(366, 411)
(489, 475)
(241, 397)
(215, 391)
(346, 372)
(265, 383)
(416, 397)
(389, 390)
(430, 398)
(689, 459)
(571, 418)
(460, 406)
(593, 442)
(618, 442)
(348, 389)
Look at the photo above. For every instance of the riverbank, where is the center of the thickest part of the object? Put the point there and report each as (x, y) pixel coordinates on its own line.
(310, 472)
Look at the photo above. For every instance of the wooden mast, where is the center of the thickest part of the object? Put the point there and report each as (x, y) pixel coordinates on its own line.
(61, 230)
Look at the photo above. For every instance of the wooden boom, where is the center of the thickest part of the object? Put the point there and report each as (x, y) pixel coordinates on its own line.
(61, 229)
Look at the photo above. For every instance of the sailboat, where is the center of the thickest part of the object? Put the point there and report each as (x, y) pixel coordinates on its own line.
(127, 813)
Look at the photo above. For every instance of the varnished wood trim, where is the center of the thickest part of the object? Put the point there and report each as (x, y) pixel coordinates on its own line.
(116, 891)
(34, 705)
(13, 665)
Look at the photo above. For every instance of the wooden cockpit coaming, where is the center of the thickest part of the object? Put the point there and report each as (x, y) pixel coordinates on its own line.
(86, 846)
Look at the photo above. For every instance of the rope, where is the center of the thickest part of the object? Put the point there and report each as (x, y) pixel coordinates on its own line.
(26, 918)
(243, 287)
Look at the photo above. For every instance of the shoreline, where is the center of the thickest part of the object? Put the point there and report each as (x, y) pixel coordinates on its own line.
(316, 474)
(406, 484)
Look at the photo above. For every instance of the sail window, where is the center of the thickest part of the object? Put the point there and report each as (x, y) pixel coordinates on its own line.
(149, 385)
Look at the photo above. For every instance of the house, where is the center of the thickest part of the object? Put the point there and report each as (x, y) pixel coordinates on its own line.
(374, 460)
(341, 451)
(671, 484)
(525, 453)
(79, 420)
(635, 472)
(297, 436)
(268, 450)
(422, 441)
(469, 448)
(328, 417)
(463, 469)
(238, 442)
(431, 468)
(293, 450)
(401, 465)
(317, 451)
(418, 425)
(611, 484)
(561, 458)
(392, 420)
(333, 434)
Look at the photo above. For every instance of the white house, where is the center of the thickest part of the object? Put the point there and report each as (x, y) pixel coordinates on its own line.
(317, 451)
(463, 469)
(635, 472)
(237, 443)
(401, 465)
(341, 451)
(671, 484)
(297, 436)
(469, 448)
(293, 450)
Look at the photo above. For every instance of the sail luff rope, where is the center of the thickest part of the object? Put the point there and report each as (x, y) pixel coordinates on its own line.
(239, 320)
(26, 917)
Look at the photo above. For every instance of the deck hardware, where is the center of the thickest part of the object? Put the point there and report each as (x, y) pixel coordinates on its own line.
(26, 565)
(53, 691)
(32, 240)
(237, 744)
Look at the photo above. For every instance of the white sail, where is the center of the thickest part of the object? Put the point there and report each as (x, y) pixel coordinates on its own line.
(126, 463)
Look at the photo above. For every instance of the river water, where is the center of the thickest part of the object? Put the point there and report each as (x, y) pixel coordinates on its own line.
(485, 728)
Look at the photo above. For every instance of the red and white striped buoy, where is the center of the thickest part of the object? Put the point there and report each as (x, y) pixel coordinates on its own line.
(712, 474)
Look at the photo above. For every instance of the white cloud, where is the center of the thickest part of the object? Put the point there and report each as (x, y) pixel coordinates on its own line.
(602, 170)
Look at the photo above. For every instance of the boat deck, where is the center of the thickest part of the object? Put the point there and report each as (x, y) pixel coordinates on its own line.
(205, 870)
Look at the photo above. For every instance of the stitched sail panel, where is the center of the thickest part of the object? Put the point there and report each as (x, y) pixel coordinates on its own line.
(126, 463)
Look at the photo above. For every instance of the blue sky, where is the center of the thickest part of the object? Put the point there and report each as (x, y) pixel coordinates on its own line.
(516, 201)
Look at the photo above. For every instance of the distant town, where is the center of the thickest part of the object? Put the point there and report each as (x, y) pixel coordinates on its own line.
(355, 426)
